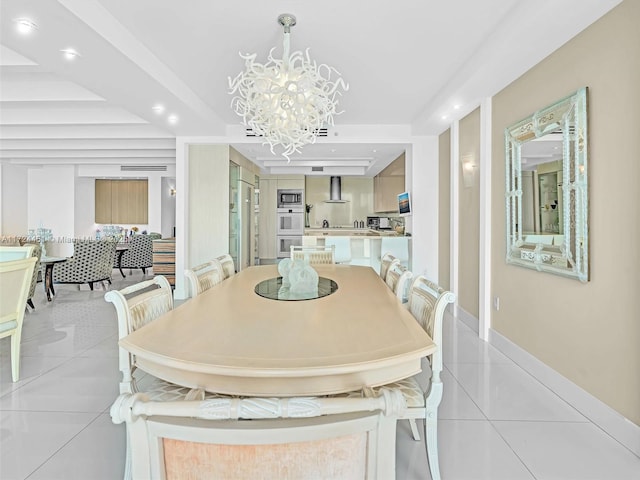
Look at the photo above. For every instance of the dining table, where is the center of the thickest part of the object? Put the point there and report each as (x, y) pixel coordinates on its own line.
(235, 339)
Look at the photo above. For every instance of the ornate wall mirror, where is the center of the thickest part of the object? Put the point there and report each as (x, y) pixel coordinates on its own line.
(546, 189)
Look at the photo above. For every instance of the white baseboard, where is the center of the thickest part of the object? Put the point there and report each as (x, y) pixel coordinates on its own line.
(623, 430)
(468, 319)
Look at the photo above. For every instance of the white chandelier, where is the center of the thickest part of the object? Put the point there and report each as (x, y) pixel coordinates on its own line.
(286, 101)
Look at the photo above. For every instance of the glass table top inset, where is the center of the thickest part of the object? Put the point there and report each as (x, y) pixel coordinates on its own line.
(274, 289)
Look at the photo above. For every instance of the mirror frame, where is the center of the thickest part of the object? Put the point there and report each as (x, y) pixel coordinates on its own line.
(571, 258)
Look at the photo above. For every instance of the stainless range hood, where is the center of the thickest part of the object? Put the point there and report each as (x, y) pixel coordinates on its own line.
(335, 191)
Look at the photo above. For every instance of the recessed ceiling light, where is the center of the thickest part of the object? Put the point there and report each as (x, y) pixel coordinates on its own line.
(158, 109)
(25, 25)
(172, 119)
(444, 117)
(70, 53)
(375, 151)
(333, 150)
(456, 107)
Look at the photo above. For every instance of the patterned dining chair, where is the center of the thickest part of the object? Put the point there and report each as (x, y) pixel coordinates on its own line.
(203, 277)
(139, 255)
(90, 263)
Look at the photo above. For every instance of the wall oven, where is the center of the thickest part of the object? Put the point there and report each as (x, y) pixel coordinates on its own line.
(290, 223)
(285, 243)
(290, 199)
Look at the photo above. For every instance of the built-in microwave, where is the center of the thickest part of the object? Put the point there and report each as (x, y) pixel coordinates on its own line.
(290, 199)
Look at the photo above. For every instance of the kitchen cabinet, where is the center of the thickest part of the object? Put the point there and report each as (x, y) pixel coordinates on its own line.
(267, 224)
(121, 201)
(387, 185)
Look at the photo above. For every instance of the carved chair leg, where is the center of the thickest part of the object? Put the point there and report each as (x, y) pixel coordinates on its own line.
(91, 285)
(431, 439)
(144, 270)
(30, 303)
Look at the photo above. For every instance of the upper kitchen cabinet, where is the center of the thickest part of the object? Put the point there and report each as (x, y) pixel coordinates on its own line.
(122, 201)
(387, 185)
(290, 182)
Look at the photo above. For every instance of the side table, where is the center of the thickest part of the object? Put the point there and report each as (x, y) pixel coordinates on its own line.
(48, 263)
(120, 249)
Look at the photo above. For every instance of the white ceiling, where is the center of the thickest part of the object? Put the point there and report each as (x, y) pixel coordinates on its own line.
(408, 64)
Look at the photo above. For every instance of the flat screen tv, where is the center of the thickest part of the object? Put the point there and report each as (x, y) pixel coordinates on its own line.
(404, 204)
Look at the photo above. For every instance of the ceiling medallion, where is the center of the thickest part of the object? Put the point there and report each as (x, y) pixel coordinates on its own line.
(286, 101)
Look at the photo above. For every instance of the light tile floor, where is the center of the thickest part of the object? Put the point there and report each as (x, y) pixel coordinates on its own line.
(496, 421)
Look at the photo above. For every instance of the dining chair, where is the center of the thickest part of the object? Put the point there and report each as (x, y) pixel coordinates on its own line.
(136, 306)
(138, 255)
(15, 280)
(314, 255)
(228, 267)
(248, 438)
(398, 280)
(15, 252)
(91, 263)
(203, 277)
(385, 262)
(427, 303)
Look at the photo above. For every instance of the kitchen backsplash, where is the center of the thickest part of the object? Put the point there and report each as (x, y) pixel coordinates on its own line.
(357, 191)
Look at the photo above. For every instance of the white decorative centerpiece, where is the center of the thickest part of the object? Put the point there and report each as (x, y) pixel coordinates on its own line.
(303, 279)
(283, 269)
(299, 280)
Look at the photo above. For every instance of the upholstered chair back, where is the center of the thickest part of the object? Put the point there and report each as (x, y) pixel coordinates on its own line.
(228, 267)
(314, 255)
(203, 277)
(427, 303)
(91, 262)
(285, 438)
(385, 262)
(136, 306)
(398, 280)
(15, 278)
(140, 253)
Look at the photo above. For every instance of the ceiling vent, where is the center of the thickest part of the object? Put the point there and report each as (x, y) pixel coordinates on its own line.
(143, 168)
(320, 132)
(317, 169)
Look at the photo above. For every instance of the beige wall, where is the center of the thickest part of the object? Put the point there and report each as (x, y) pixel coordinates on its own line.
(469, 220)
(444, 210)
(587, 332)
(208, 212)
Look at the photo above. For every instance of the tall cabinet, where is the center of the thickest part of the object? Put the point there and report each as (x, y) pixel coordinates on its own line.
(269, 185)
(387, 185)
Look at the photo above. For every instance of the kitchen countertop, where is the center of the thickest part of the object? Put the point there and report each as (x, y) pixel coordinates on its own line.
(350, 232)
